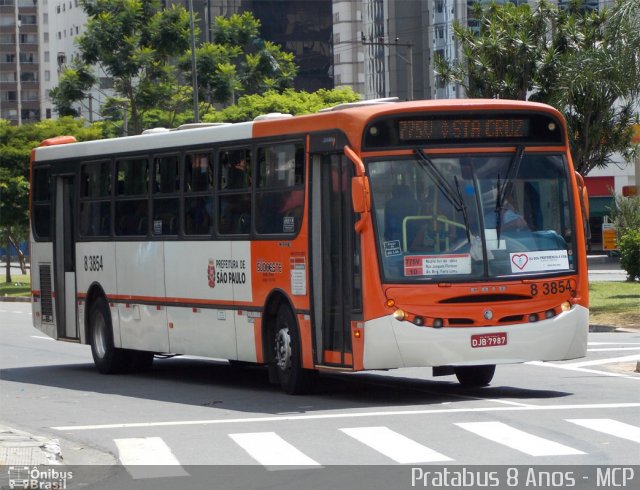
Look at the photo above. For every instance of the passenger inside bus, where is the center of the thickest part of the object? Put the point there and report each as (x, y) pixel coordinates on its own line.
(237, 176)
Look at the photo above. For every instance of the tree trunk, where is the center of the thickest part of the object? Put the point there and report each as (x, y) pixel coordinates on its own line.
(21, 258)
(8, 273)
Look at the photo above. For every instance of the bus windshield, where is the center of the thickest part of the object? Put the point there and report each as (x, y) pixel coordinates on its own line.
(472, 216)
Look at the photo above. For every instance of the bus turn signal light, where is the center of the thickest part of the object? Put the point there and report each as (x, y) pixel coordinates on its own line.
(391, 303)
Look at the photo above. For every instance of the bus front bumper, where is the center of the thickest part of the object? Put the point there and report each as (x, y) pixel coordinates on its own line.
(389, 343)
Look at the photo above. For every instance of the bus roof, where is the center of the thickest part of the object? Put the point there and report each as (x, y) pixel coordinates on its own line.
(351, 119)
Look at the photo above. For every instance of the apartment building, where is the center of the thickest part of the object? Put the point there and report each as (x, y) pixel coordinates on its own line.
(19, 61)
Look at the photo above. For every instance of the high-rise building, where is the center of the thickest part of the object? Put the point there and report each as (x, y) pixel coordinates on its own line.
(19, 61)
(65, 21)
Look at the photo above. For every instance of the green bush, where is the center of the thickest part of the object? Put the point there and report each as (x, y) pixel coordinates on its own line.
(626, 213)
(629, 245)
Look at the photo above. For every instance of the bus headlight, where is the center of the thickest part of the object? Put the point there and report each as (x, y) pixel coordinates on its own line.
(399, 315)
(566, 306)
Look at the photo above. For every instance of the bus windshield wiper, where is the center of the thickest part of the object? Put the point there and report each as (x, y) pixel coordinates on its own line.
(503, 188)
(454, 196)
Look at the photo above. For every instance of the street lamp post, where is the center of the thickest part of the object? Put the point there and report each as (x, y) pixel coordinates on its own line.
(194, 71)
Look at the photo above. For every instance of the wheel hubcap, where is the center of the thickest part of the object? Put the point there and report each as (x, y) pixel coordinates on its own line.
(99, 341)
(283, 349)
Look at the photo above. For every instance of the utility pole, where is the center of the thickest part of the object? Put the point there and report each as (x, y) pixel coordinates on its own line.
(408, 60)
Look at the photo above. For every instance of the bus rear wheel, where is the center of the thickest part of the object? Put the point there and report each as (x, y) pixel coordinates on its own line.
(475, 376)
(287, 353)
(107, 358)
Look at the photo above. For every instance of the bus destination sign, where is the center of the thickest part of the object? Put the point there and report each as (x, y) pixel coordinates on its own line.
(462, 129)
(479, 128)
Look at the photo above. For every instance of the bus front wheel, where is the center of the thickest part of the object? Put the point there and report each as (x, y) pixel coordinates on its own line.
(107, 358)
(475, 376)
(287, 354)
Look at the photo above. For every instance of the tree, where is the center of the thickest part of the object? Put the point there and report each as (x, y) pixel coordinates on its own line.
(16, 143)
(288, 102)
(501, 56)
(133, 42)
(574, 59)
(74, 82)
(239, 62)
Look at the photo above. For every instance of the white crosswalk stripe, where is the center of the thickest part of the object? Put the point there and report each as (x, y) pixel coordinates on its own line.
(395, 446)
(151, 457)
(518, 439)
(611, 427)
(269, 449)
(148, 457)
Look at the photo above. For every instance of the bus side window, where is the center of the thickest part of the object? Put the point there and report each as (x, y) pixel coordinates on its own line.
(280, 189)
(166, 201)
(198, 193)
(41, 202)
(95, 199)
(132, 213)
(234, 188)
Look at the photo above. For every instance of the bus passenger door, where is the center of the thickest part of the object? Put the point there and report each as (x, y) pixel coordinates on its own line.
(335, 255)
(65, 258)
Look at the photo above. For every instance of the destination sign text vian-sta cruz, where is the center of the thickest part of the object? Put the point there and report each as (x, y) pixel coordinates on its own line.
(451, 129)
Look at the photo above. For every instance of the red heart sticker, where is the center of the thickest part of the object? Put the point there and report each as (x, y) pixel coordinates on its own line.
(520, 260)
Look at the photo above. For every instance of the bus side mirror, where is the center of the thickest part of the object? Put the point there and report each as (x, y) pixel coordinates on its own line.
(360, 195)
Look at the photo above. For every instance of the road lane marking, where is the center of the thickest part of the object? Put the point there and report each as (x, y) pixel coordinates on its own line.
(622, 342)
(269, 449)
(41, 337)
(148, 457)
(609, 360)
(611, 427)
(518, 439)
(610, 349)
(327, 416)
(399, 448)
(572, 367)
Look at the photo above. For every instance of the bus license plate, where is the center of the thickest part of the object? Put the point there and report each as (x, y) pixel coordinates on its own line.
(489, 339)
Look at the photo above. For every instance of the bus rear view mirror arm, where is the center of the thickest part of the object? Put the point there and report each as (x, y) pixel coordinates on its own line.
(360, 193)
(355, 159)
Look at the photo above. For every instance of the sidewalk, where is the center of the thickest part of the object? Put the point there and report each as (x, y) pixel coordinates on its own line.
(20, 448)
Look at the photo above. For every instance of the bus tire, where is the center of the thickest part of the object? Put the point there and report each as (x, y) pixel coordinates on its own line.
(107, 358)
(287, 353)
(475, 376)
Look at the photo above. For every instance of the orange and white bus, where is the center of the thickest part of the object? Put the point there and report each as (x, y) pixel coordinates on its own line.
(371, 236)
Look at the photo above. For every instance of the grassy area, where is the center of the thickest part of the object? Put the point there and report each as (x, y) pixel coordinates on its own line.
(19, 286)
(615, 303)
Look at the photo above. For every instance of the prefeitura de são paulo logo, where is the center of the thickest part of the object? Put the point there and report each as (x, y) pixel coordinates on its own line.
(211, 274)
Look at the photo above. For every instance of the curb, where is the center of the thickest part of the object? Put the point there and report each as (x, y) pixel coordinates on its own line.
(15, 299)
(610, 328)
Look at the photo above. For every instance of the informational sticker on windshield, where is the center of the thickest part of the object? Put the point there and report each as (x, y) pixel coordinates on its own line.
(392, 248)
(437, 265)
(548, 260)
